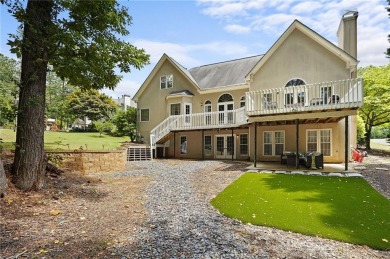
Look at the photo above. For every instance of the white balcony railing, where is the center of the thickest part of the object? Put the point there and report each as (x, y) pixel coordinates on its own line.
(209, 120)
(319, 96)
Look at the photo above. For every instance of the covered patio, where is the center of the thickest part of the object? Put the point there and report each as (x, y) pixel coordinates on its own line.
(277, 167)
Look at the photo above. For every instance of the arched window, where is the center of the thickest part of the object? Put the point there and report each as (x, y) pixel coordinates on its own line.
(290, 99)
(225, 98)
(242, 101)
(207, 111)
(295, 82)
(207, 106)
(225, 108)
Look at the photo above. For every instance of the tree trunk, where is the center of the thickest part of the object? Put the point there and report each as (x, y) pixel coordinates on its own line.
(3, 179)
(367, 137)
(30, 160)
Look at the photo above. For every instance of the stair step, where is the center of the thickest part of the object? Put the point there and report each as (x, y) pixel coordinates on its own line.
(139, 154)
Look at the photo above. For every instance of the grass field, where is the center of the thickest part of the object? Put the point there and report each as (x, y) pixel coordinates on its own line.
(345, 209)
(380, 146)
(69, 140)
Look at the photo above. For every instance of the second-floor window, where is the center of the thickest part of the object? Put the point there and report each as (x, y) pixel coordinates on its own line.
(166, 81)
(144, 114)
(242, 101)
(175, 109)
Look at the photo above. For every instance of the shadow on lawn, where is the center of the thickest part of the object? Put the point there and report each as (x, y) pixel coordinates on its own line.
(355, 212)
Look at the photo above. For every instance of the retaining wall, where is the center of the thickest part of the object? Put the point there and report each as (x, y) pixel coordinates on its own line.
(93, 161)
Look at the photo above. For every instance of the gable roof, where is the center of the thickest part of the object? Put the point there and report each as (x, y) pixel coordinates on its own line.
(224, 74)
(162, 60)
(297, 25)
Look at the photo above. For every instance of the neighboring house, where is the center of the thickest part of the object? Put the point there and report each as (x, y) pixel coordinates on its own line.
(124, 102)
(302, 95)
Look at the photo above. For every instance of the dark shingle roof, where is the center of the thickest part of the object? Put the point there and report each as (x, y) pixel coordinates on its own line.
(180, 93)
(225, 73)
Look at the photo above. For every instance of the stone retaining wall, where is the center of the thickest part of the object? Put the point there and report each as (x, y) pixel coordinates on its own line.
(93, 161)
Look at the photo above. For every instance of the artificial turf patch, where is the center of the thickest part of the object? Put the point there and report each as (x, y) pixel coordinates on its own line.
(345, 209)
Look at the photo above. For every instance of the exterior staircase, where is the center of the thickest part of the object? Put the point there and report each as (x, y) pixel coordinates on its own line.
(139, 153)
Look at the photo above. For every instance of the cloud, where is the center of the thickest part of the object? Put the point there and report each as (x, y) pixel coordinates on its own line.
(237, 29)
(305, 7)
(185, 53)
(126, 86)
(323, 16)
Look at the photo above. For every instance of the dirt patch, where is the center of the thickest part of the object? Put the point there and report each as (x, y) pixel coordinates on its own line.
(74, 216)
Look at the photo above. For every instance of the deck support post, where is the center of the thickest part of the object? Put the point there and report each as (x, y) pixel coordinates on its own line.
(297, 144)
(202, 144)
(233, 147)
(255, 158)
(174, 144)
(346, 157)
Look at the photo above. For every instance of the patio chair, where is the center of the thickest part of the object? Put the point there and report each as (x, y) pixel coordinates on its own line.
(334, 99)
(318, 160)
(269, 104)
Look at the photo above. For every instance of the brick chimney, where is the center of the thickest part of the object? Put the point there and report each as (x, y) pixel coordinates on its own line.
(347, 33)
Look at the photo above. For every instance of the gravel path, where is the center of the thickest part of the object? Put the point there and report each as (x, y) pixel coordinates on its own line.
(182, 223)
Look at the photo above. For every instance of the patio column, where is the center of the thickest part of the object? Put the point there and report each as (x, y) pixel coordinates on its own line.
(233, 147)
(202, 144)
(346, 143)
(255, 158)
(297, 143)
(174, 144)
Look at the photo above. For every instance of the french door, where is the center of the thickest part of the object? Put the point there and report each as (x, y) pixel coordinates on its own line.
(224, 148)
(225, 113)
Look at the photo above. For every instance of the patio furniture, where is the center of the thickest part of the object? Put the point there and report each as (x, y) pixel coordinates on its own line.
(269, 104)
(334, 99)
(316, 101)
(307, 160)
(283, 157)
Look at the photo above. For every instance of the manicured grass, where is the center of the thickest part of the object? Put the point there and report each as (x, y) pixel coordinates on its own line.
(69, 140)
(380, 146)
(345, 209)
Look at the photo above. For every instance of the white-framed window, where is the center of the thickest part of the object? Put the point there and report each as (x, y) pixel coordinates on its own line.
(273, 143)
(207, 145)
(166, 81)
(242, 101)
(207, 111)
(187, 112)
(175, 109)
(244, 144)
(144, 115)
(319, 140)
(183, 145)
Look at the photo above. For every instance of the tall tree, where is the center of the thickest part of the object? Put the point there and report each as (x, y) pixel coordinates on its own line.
(81, 40)
(388, 13)
(57, 91)
(90, 103)
(376, 108)
(126, 123)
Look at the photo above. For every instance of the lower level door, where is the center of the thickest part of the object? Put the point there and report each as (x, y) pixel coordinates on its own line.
(224, 148)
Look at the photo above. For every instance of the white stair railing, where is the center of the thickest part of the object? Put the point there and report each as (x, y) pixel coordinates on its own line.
(231, 118)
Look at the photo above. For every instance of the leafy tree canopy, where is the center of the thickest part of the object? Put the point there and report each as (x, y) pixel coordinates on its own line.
(90, 103)
(376, 108)
(125, 123)
(9, 80)
(83, 42)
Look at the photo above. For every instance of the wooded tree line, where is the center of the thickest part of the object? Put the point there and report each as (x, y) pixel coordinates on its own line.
(65, 103)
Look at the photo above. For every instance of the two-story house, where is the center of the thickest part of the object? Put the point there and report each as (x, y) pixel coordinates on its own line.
(301, 95)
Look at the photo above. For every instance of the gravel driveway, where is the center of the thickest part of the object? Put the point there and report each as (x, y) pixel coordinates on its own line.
(183, 224)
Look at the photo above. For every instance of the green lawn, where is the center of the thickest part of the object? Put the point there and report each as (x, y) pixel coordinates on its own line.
(69, 140)
(345, 209)
(380, 146)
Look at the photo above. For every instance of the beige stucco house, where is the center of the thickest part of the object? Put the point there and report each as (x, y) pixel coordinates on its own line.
(302, 95)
